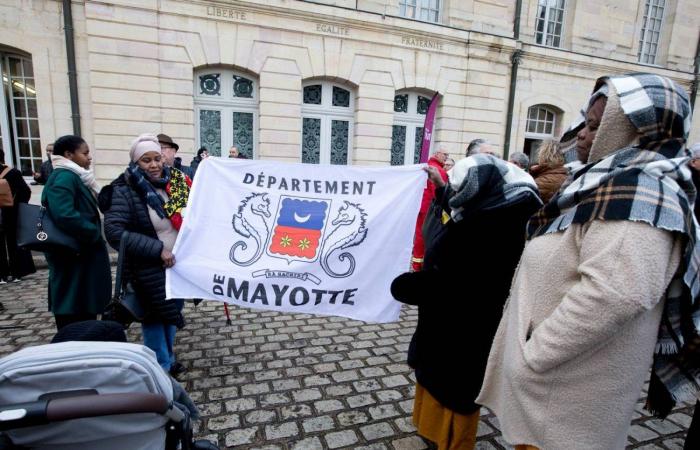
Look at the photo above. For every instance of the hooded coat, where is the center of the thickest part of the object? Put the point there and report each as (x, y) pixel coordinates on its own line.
(451, 343)
(578, 333)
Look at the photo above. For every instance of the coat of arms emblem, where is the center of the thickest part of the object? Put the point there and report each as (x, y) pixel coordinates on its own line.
(302, 230)
(298, 228)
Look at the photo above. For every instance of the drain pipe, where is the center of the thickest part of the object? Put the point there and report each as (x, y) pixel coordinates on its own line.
(696, 79)
(72, 72)
(516, 20)
(515, 62)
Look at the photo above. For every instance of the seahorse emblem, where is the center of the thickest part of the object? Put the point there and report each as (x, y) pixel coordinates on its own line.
(250, 223)
(348, 230)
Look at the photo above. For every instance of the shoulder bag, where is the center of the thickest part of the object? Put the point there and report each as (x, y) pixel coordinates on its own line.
(6, 198)
(125, 306)
(36, 231)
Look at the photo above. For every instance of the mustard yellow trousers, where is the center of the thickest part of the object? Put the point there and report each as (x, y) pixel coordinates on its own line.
(448, 429)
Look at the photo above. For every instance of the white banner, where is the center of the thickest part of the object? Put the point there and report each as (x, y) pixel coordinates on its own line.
(301, 238)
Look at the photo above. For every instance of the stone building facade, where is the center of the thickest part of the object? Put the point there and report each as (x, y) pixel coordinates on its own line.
(330, 81)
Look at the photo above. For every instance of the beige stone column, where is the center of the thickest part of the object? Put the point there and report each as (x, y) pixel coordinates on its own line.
(373, 119)
(280, 111)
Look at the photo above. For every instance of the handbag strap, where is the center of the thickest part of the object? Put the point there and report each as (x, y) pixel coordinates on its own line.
(40, 219)
(118, 285)
(4, 172)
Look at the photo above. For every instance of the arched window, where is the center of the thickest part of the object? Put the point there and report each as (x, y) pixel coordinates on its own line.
(410, 109)
(226, 111)
(541, 125)
(327, 121)
(19, 121)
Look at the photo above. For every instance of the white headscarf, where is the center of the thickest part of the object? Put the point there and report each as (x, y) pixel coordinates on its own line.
(86, 176)
(143, 144)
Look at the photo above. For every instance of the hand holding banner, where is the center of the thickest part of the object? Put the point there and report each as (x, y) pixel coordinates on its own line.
(301, 238)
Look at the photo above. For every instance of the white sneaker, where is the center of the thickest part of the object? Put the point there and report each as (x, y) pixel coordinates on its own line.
(16, 280)
(2, 281)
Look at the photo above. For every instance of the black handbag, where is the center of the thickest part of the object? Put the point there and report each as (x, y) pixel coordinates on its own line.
(434, 226)
(36, 231)
(125, 306)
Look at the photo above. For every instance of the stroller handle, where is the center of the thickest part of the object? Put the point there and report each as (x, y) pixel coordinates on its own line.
(105, 405)
(46, 411)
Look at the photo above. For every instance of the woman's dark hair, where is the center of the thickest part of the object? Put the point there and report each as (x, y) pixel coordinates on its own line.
(67, 143)
(202, 150)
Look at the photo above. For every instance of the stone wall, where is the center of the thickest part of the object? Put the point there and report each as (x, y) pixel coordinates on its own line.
(36, 28)
(142, 62)
(137, 59)
(612, 29)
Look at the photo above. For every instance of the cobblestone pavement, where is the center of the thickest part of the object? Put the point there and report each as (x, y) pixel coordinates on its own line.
(281, 381)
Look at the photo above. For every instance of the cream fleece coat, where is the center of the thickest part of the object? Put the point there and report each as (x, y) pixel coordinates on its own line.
(577, 335)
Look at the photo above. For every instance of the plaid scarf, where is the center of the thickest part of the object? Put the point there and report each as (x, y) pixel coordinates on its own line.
(483, 182)
(175, 183)
(651, 183)
(567, 142)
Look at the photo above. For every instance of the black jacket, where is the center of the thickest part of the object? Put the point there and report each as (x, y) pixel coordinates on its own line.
(194, 165)
(696, 182)
(14, 261)
(125, 210)
(184, 169)
(45, 171)
(460, 294)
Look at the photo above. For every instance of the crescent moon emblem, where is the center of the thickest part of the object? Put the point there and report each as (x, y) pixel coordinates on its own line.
(301, 219)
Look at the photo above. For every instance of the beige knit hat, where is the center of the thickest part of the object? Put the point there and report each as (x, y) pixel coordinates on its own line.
(143, 144)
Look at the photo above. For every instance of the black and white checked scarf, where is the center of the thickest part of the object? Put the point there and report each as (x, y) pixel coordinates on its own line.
(483, 182)
(651, 183)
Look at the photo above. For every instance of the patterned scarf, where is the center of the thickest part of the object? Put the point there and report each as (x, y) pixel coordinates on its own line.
(651, 183)
(176, 184)
(483, 182)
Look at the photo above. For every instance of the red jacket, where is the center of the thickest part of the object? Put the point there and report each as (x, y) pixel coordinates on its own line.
(429, 191)
(428, 195)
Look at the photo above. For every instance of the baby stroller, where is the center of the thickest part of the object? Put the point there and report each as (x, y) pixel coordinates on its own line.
(90, 395)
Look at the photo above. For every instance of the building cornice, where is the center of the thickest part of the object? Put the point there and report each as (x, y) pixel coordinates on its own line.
(407, 33)
(352, 20)
(603, 66)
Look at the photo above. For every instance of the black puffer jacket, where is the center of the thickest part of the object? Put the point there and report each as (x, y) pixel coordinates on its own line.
(125, 210)
(460, 295)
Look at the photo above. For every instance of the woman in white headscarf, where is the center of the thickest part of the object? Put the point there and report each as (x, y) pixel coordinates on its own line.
(147, 201)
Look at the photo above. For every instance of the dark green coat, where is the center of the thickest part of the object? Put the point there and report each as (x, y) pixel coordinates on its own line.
(78, 284)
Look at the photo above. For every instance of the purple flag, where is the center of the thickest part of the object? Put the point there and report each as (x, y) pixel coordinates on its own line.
(428, 128)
